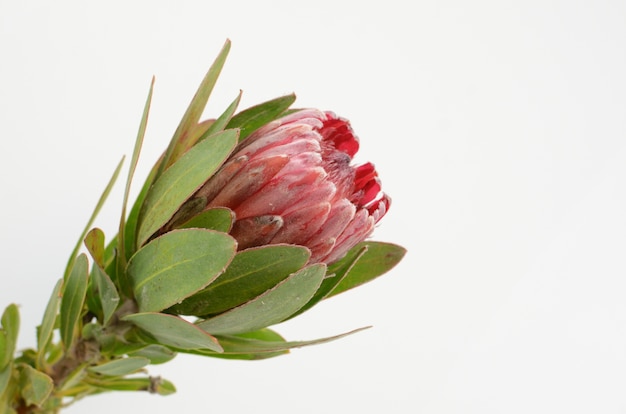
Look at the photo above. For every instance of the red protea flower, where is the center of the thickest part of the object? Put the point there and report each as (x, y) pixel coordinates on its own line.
(292, 182)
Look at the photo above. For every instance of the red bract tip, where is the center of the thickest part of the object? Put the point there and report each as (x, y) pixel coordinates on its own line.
(338, 131)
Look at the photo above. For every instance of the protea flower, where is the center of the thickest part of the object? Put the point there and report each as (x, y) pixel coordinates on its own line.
(292, 182)
(246, 221)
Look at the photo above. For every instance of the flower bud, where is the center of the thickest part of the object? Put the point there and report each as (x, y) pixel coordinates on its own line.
(292, 181)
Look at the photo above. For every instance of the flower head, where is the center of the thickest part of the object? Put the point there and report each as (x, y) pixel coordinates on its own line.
(292, 182)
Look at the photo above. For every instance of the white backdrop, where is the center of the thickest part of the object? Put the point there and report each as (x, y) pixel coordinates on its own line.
(498, 128)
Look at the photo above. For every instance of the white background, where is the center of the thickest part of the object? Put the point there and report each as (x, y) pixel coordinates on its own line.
(498, 128)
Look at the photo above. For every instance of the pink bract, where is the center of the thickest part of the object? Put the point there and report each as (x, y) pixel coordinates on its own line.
(292, 181)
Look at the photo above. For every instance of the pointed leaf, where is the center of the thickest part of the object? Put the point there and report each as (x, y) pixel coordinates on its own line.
(103, 297)
(106, 292)
(181, 180)
(72, 301)
(101, 200)
(221, 122)
(5, 355)
(178, 264)
(121, 235)
(334, 275)
(242, 347)
(44, 333)
(252, 272)
(173, 331)
(271, 307)
(132, 222)
(157, 354)
(156, 385)
(163, 387)
(378, 259)
(5, 377)
(8, 334)
(120, 367)
(219, 219)
(180, 141)
(35, 386)
(260, 345)
(251, 119)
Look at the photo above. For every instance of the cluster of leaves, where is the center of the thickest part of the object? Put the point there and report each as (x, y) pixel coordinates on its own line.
(108, 319)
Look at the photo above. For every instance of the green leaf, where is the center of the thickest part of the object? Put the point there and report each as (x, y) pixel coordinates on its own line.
(156, 385)
(181, 180)
(378, 259)
(73, 299)
(103, 197)
(178, 264)
(119, 367)
(133, 221)
(264, 344)
(103, 297)
(73, 379)
(241, 346)
(271, 307)
(121, 235)
(253, 118)
(179, 143)
(219, 219)
(35, 386)
(157, 354)
(334, 275)
(252, 272)
(173, 331)
(8, 334)
(44, 333)
(163, 387)
(5, 377)
(5, 355)
(113, 345)
(94, 241)
(106, 292)
(110, 262)
(223, 120)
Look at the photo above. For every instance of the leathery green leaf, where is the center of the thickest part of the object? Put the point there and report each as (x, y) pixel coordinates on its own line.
(223, 120)
(156, 385)
(181, 180)
(157, 354)
(35, 386)
(5, 355)
(176, 265)
(252, 272)
(101, 200)
(180, 141)
(220, 219)
(334, 275)
(5, 377)
(173, 331)
(251, 119)
(271, 307)
(94, 241)
(263, 344)
(102, 293)
(121, 235)
(8, 334)
(119, 367)
(377, 259)
(132, 221)
(44, 333)
(106, 291)
(72, 300)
